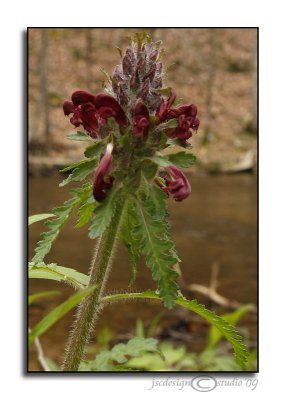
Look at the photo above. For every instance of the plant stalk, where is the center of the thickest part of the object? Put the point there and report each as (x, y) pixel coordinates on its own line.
(90, 306)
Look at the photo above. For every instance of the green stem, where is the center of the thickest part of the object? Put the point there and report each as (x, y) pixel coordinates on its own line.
(90, 306)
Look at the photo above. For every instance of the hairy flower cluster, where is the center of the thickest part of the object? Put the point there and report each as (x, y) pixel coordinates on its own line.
(135, 107)
(139, 76)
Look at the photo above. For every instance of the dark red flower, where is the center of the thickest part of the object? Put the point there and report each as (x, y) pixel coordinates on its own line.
(103, 181)
(164, 110)
(187, 121)
(90, 111)
(178, 184)
(140, 119)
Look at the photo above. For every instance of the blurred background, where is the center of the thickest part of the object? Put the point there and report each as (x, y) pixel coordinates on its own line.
(215, 229)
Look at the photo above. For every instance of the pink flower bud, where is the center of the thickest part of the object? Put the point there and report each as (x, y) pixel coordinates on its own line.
(103, 181)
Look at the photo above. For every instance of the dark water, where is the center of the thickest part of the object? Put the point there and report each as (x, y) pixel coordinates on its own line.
(217, 223)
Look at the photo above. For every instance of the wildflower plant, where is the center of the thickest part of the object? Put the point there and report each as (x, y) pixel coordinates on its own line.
(127, 180)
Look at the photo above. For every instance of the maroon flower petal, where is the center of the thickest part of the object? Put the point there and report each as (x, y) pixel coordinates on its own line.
(140, 119)
(178, 185)
(87, 113)
(104, 100)
(68, 107)
(164, 110)
(81, 96)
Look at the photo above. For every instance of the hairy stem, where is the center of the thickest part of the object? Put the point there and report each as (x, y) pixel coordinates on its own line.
(90, 306)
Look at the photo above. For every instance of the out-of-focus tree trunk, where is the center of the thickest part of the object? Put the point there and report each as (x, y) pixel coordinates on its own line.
(43, 68)
(88, 58)
(212, 66)
(254, 92)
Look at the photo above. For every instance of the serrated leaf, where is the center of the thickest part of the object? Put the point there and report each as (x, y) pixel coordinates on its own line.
(215, 335)
(95, 149)
(182, 159)
(104, 213)
(120, 354)
(129, 221)
(85, 213)
(36, 296)
(58, 312)
(56, 224)
(162, 161)
(39, 217)
(82, 170)
(80, 136)
(227, 330)
(58, 273)
(155, 244)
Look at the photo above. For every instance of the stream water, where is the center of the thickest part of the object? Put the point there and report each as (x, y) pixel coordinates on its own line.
(216, 224)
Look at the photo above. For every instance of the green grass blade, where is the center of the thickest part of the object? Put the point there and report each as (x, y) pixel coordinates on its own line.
(58, 312)
(36, 296)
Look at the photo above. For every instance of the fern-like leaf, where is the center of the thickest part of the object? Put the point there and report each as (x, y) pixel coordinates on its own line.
(129, 221)
(58, 273)
(56, 224)
(153, 237)
(104, 212)
(120, 354)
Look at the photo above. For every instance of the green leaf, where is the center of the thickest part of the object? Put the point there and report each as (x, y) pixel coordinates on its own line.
(58, 312)
(81, 136)
(149, 169)
(153, 237)
(57, 273)
(95, 149)
(36, 296)
(233, 318)
(120, 354)
(104, 213)
(81, 171)
(177, 142)
(129, 221)
(39, 217)
(162, 161)
(227, 330)
(181, 159)
(56, 224)
(86, 212)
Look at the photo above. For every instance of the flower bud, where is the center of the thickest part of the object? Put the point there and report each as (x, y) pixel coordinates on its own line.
(140, 119)
(153, 55)
(103, 181)
(151, 73)
(141, 65)
(127, 65)
(145, 90)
